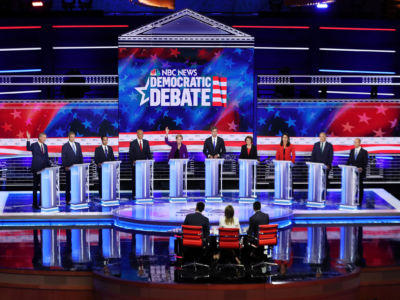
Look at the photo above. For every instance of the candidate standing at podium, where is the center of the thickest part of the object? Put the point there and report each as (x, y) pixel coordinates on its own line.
(71, 154)
(101, 154)
(178, 149)
(214, 146)
(40, 161)
(285, 150)
(323, 153)
(359, 158)
(139, 149)
(249, 150)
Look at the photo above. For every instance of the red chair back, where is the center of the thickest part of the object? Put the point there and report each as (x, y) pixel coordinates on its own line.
(192, 236)
(229, 238)
(267, 235)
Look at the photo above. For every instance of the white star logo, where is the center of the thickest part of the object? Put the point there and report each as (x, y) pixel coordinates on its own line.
(142, 90)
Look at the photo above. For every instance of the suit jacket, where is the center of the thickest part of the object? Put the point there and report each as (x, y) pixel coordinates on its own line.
(68, 156)
(325, 156)
(360, 162)
(183, 153)
(100, 156)
(245, 155)
(39, 160)
(290, 153)
(136, 154)
(259, 218)
(208, 148)
(197, 219)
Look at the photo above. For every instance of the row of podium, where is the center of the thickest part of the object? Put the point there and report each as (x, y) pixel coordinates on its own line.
(144, 184)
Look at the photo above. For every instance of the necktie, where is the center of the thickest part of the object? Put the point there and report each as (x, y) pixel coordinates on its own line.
(355, 154)
(140, 146)
(41, 148)
(322, 147)
(74, 148)
(214, 143)
(105, 151)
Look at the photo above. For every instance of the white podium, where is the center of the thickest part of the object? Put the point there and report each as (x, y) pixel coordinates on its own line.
(51, 254)
(350, 192)
(80, 186)
(80, 245)
(178, 179)
(316, 184)
(144, 180)
(111, 246)
(50, 189)
(110, 183)
(213, 177)
(283, 182)
(247, 179)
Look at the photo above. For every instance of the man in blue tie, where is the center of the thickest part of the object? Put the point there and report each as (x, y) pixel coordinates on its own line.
(101, 154)
(71, 153)
(322, 152)
(40, 161)
(214, 146)
(359, 158)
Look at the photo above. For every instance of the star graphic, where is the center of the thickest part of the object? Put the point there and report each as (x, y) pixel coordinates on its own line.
(150, 121)
(28, 121)
(142, 91)
(381, 109)
(87, 124)
(393, 123)
(238, 51)
(178, 121)
(363, 118)
(6, 127)
(270, 108)
(261, 121)
(240, 83)
(166, 113)
(379, 132)
(59, 132)
(159, 109)
(291, 122)
(229, 63)
(16, 114)
(304, 131)
(235, 103)
(232, 126)
(74, 116)
(20, 134)
(312, 115)
(174, 52)
(153, 57)
(332, 134)
(115, 124)
(165, 65)
(105, 117)
(277, 114)
(347, 127)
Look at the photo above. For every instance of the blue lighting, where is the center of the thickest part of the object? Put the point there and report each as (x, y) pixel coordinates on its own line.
(21, 71)
(356, 71)
(322, 5)
(384, 157)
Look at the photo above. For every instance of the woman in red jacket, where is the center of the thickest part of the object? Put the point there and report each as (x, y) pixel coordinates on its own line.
(285, 150)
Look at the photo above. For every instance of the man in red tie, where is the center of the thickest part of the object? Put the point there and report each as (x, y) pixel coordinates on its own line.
(139, 149)
(40, 161)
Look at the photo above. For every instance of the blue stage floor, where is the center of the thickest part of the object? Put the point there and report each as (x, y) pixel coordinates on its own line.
(379, 207)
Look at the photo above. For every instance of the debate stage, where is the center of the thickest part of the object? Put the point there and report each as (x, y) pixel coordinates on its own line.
(163, 216)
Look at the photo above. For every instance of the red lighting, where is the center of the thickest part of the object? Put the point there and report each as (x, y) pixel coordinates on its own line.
(358, 28)
(20, 27)
(90, 26)
(271, 27)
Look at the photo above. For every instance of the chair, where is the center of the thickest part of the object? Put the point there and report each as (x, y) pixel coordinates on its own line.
(264, 242)
(229, 243)
(193, 247)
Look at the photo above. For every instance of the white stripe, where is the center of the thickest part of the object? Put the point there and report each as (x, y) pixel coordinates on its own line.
(356, 93)
(20, 92)
(357, 50)
(84, 47)
(21, 49)
(282, 48)
(223, 83)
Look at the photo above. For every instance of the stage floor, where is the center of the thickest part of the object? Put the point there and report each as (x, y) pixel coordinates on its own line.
(379, 207)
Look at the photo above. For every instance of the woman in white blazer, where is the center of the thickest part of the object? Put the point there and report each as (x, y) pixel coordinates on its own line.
(229, 220)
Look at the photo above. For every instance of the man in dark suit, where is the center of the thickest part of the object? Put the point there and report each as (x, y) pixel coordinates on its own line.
(214, 146)
(101, 154)
(359, 158)
(40, 161)
(139, 149)
(197, 219)
(259, 218)
(323, 153)
(71, 153)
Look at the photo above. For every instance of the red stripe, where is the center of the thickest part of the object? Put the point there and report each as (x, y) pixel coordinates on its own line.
(90, 26)
(223, 79)
(271, 27)
(19, 27)
(358, 28)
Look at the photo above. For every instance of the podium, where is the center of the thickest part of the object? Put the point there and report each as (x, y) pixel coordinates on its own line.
(316, 184)
(51, 249)
(50, 189)
(247, 179)
(213, 175)
(110, 182)
(111, 245)
(80, 186)
(283, 182)
(178, 179)
(350, 192)
(316, 245)
(349, 236)
(144, 180)
(80, 246)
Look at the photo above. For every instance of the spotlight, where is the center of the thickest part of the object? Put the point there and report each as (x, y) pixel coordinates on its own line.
(322, 5)
(37, 4)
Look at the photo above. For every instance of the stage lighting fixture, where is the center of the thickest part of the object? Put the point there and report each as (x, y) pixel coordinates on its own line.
(322, 5)
(37, 4)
